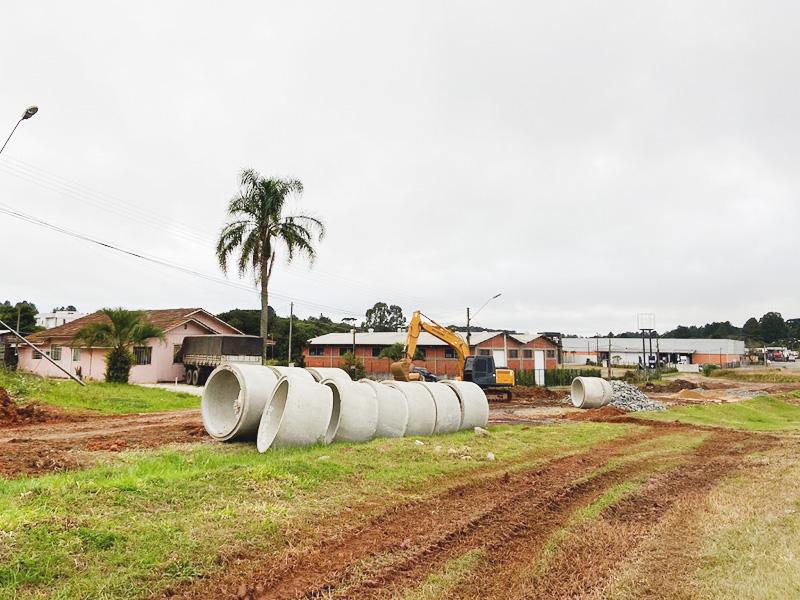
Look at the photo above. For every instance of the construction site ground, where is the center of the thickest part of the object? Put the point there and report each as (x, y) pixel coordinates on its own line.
(553, 503)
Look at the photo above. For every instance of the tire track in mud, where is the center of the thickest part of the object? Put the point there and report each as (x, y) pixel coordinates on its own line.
(589, 558)
(489, 512)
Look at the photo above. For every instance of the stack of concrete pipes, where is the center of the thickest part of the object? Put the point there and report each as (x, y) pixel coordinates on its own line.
(291, 406)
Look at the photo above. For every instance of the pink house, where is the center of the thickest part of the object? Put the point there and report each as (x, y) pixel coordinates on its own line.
(156, 361)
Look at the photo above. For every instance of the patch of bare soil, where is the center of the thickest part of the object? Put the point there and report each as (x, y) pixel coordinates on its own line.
(604, 413)
(13, 414)
(58, 446)
(414, 539)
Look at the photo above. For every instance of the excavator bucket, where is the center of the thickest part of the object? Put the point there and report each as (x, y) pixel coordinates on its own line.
(401, 371)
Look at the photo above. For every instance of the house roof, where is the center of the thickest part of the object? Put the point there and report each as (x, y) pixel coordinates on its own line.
(165, 319)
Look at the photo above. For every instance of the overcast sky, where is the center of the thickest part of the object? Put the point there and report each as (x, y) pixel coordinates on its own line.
(589, 160)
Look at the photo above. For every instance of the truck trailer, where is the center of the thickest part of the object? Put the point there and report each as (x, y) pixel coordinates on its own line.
(201, 354)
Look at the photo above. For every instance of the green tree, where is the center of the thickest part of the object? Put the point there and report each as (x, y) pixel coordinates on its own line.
(120, 331)
(258, 228)
(353, 365)
(751, 330)
(27, 315)
(383, 317)
(773, 327)
(394, 352)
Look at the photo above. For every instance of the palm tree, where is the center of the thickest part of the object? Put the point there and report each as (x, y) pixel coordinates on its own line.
(120, 330)
(258, 228)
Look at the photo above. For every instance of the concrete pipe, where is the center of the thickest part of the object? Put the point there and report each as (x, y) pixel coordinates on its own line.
(298, 414)
(421, 407)
(234, 398)
(448, 408)
(392, 410)
(590, 392)
(293, 373)
(357, 416)
(320, 373)
(474, 404)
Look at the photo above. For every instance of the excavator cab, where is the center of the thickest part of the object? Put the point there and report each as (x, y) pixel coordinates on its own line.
(480, 370)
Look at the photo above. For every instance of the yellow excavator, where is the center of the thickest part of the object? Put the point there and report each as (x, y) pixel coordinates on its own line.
(481, 370)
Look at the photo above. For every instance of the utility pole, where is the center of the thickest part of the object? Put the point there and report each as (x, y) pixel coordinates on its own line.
(291, 318)
(609, 358)
(468, 332)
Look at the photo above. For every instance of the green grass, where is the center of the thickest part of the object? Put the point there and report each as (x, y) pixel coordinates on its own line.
(763, 413)
(111, 398)
(149, 520)
(439, 584)
(766, 376)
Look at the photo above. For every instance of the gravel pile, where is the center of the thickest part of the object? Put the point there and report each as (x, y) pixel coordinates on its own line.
(631, 399)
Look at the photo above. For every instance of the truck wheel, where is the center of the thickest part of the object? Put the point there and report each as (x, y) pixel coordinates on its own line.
(187, 376)
(195, 376)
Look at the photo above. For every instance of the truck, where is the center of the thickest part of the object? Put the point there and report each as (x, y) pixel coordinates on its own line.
(201, 354)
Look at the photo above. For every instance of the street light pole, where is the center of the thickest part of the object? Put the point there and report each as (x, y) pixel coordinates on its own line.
(29, 112)
(469, 333)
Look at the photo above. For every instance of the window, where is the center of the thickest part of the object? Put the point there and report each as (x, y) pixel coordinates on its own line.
(527, 354)
(376, 351)
(55, 352)
(143, 355)
(177, 355)
(343, 351)
(449, 353)
(551, 354)
(76, 355)
(316, 351)
(37, 355)
(513, 353)
(484, 352)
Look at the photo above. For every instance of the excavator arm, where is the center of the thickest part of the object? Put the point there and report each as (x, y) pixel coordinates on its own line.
(401, 370)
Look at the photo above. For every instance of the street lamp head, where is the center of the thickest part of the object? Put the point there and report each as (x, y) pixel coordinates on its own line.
(29, 112)
(497, 295)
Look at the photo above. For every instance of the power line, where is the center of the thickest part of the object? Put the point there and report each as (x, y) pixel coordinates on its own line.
(55, 183)
(161, 262)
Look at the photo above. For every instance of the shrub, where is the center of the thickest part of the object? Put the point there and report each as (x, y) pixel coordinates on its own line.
(353, 366)
(707, 369)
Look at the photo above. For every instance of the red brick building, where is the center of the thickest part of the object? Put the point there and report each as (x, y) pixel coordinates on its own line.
(517, 351)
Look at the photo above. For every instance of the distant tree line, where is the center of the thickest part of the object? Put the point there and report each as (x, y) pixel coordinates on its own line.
(26, 311)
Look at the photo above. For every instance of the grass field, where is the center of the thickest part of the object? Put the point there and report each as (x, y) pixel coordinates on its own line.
(764, 376)
(111, 398)
(763, 413)
(148, 520)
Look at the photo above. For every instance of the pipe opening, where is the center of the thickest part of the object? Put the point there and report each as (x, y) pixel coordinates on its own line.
(333, 426)
(273, 416)
(223, 397)
(577, 392)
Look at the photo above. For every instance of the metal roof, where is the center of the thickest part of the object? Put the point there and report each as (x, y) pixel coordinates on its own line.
(674, 345)
(387, 338)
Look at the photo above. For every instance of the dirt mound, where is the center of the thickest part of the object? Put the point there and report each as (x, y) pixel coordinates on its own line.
(12, 413)
(595, 414)
(691, 395)
(671, 387)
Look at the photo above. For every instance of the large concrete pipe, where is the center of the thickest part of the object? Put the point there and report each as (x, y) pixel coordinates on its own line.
(448, 408)
(320, 373)
(298, 414)
(474, 404)
(392, 410)
(590, 392)
(421, 407)
(234, 398)
(293, 373)
(357, 417)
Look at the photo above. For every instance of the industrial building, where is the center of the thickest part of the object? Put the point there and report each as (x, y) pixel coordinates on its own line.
(513, 350)
(628, 351)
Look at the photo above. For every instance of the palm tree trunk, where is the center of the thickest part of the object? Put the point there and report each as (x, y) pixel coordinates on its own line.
(264, 304)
